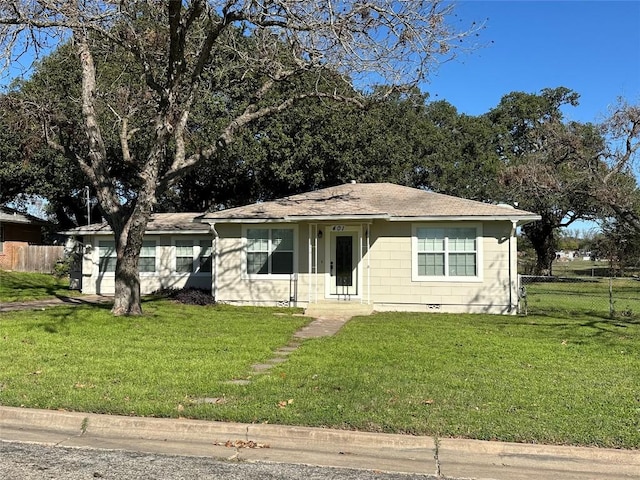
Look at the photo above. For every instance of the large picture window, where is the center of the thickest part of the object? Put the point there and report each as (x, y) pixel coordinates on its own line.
(269, 251)
(445, 252)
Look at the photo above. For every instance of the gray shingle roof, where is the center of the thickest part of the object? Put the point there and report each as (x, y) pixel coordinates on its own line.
(368, 200)
(159, 223)
(10, 215)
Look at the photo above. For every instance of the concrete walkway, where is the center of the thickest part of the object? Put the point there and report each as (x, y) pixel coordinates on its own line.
(54, 302)
(319, 327)
(449, 458)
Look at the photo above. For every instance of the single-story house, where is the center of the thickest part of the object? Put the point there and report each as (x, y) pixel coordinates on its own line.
(17, 230)
(383, 245)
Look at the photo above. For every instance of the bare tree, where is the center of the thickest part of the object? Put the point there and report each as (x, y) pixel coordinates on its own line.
(616, 185)
(177, 45)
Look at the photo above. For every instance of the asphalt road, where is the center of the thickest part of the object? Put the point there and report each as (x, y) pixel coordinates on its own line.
(28, 461)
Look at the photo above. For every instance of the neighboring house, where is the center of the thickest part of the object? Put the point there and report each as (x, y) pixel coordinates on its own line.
(17, 230)
(382, 245)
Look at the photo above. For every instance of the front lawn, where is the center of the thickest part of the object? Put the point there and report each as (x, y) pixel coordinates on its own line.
(23, 286)
(562, 380)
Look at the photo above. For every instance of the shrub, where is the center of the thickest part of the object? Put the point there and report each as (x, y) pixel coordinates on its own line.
(188, 296)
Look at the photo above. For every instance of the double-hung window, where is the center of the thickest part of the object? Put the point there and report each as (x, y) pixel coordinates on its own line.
(269, 251)
(205, 257)
(107, 256)
(192, 256)
(147, 262)
(184, 256)
(445, 252)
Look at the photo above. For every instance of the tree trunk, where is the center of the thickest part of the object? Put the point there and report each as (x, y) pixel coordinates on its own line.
(129, 241)
(544, 243)
(127, 299)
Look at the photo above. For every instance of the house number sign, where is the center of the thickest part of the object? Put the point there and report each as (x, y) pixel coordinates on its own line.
(337, 228)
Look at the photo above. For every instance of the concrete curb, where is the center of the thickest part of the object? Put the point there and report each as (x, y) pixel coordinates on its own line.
(318, 446)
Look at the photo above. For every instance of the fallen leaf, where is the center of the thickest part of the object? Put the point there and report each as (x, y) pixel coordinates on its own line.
(284, 403)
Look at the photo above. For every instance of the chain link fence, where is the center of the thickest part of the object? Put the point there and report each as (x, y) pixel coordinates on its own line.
(599, 296)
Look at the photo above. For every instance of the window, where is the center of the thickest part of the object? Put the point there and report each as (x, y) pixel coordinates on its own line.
(147, 261)
(107, 256)
(445, 252)
(269, 251)
(192, 256)
(184, 256)
(205, 256)
(1, 238)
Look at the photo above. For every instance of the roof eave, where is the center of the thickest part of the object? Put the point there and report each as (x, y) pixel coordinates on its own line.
(297, 218)
(201, 231)
(469, 218)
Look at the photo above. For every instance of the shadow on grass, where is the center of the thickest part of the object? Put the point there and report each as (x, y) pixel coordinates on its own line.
(58, 319)
(600, 325)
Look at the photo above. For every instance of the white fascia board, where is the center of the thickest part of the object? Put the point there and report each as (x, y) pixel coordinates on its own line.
(177, 232)
(217, 221)
(469, 218)
(340, 218)
(148, 232)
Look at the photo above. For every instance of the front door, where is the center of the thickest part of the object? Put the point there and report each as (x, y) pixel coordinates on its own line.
(343, 265)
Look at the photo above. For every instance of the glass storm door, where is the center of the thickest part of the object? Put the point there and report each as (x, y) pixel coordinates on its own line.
(343, 266)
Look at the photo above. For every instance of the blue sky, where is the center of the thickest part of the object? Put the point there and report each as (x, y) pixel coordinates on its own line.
(591, 47)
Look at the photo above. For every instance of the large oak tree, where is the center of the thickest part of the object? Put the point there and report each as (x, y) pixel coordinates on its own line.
(182, 48)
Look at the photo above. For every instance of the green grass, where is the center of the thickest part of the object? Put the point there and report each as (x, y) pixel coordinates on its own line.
(21, 286)
(581, 268)
(589, 297)
(83, 358)
(563, 379)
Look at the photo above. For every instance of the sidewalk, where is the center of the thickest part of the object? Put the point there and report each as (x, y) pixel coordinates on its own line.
(457, 458)
(54, 302)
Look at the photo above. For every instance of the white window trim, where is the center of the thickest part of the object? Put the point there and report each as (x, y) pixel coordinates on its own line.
(269, 276)
(156, 257)
(112, 274)
(197, 251)
(446, 277)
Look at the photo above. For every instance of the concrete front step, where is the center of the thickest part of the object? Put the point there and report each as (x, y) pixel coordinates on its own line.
(331, 309)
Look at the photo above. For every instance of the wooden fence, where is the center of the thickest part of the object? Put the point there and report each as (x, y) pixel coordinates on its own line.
(21, 257)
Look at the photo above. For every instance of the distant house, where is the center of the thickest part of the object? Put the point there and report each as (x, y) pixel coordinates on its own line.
(382, 245)
(17, 230)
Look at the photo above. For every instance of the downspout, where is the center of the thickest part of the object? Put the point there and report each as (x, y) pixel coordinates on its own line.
(309, 264)
(214, 264)
(368, 235)
(514, 225)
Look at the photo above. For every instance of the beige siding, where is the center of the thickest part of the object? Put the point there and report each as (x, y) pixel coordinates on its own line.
(386, 272)
(385, 281)
(234, 286)
(164, 277)
(392, 287)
